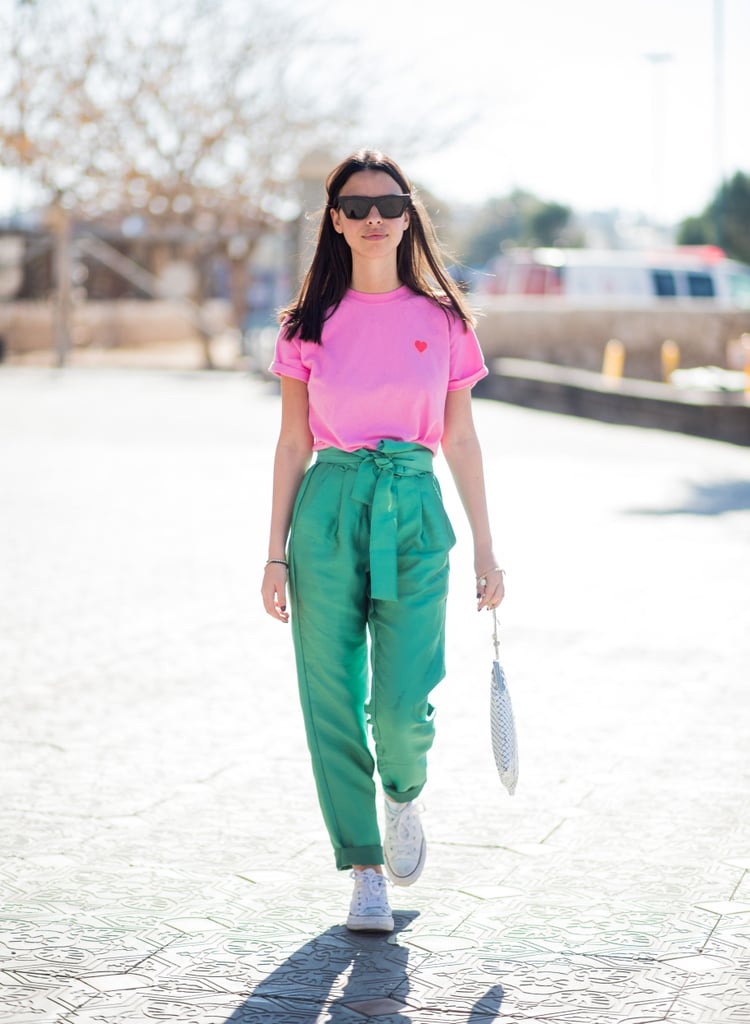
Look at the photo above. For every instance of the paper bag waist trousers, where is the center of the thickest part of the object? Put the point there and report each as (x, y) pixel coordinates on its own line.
(368, 552)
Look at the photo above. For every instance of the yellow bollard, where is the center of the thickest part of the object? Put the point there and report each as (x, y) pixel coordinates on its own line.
(738, 358)
(613, 363)
(670, 359)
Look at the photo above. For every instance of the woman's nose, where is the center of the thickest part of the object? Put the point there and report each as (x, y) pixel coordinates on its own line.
(374, 213)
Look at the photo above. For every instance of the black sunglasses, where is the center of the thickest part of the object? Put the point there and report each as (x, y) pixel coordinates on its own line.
(357, 207)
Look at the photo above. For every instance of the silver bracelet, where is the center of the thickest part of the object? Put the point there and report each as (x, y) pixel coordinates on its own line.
(278, 561)
(482, 578)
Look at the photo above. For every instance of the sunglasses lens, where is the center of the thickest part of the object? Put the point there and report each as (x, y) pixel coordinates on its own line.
(355, 208)
(391, 206)
(358, 207)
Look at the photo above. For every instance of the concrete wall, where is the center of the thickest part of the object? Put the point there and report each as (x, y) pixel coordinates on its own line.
(552, 329)
(28, 326)
(545, 328)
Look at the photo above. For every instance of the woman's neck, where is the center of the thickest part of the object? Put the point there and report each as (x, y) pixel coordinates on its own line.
(374, 278)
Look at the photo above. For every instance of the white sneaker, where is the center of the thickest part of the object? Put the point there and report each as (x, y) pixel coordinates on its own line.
(369, 910)
(405, 848)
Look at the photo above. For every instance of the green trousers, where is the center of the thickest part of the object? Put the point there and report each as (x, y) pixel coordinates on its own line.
(368, 563)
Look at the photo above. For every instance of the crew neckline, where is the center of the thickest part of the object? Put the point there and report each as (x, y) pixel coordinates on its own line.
(398, 293)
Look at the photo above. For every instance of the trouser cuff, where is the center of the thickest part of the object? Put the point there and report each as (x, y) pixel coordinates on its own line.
(347, 856)
(404, 796)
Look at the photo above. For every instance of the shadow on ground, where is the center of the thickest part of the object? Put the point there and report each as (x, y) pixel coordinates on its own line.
(707, 500)
(352, 976)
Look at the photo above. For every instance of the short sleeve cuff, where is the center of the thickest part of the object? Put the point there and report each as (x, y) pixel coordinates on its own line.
(468, 382)
(296, 372)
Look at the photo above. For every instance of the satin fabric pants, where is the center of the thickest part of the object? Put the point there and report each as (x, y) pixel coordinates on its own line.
(368, 562)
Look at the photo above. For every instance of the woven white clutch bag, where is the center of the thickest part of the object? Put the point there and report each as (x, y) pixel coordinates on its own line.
(502, 723)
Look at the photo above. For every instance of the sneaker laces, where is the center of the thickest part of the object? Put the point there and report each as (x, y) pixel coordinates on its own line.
(369, 891)
(404, 826)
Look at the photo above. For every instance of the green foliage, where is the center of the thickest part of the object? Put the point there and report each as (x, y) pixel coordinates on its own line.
(694, 231)
(520, 219)
(548, 221)
(724, 222)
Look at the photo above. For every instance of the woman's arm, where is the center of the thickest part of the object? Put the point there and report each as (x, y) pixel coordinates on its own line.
(464, 457)
(293, 452)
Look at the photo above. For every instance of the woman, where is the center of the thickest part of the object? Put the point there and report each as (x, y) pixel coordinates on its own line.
(377, 357)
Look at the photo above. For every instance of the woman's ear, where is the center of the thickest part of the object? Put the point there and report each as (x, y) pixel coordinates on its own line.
(336, 218)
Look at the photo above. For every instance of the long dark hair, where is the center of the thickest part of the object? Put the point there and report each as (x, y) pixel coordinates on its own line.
(419, 262)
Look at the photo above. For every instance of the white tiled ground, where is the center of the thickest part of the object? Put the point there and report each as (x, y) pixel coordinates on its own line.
(162, 853)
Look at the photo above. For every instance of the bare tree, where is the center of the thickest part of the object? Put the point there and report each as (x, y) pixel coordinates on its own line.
(188, 112)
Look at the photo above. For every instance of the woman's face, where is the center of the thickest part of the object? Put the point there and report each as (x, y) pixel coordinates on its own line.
(374, 237)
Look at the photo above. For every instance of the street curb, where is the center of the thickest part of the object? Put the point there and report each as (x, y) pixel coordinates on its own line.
(720, 416)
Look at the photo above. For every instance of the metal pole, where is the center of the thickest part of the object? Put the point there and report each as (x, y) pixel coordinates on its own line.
(657, 61)
(719, 120)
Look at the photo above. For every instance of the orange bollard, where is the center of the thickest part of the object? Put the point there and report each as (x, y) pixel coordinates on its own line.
(670, 359)
(613, 363)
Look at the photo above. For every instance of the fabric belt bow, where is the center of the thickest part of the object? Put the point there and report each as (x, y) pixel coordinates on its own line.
(376, 472)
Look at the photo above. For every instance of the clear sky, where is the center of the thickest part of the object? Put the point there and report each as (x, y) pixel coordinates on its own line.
(561, 97)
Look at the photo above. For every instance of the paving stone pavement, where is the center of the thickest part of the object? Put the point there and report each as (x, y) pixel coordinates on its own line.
(162, 853)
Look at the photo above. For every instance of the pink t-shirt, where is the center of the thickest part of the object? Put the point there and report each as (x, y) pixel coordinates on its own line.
(383, 370)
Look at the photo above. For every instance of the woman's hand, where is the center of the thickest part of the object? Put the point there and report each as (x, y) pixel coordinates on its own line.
(274, 591)
(490, 587)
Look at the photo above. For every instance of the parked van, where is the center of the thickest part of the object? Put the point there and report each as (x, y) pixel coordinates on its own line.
(643, 276)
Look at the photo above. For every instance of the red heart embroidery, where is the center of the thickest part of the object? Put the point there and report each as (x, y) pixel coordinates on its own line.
(420, 346)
